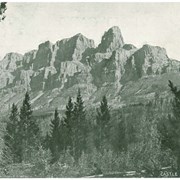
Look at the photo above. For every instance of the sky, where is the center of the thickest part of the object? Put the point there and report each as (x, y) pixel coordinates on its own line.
(28, 24)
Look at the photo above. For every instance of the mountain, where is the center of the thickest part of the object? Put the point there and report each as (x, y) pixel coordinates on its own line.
(53, 72)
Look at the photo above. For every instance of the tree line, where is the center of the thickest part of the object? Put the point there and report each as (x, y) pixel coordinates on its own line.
(70, 133)
(144, 142)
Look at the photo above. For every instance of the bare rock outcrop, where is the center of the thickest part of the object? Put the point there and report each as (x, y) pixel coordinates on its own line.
(71, 49)
(11, 61)
(148, 60)
(111, 40)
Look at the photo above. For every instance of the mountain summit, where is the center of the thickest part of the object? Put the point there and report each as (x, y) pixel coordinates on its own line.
(111, 40)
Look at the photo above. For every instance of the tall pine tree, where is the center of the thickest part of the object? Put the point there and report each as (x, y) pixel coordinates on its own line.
(11, 152)
(103, 124)
(28, 129)
(57, 142)
(54, 137)
(79, 136)
(69, 113)
(68, 125)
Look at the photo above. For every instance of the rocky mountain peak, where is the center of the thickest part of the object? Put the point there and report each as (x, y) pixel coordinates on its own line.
(111, 40)
(82, 40)
(75, 62)
(11, 61)
(148, 60)
(153, 49)
(71, 49)
(46, 44)
(79, 35)
(153, 55)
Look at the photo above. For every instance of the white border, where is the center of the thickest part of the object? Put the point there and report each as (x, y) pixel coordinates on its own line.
(101, 1)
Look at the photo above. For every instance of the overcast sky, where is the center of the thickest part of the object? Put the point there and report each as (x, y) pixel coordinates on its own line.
(29, 24)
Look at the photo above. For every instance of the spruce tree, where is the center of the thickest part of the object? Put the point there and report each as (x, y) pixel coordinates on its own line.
(54, 137)
(103, 123)
(68, 124)
(79, 127)
(69, 113)
(28, 128)
(11, 139)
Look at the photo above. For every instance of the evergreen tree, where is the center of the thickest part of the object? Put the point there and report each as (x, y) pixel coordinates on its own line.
(54, 137)
(69, 113)
(28, 128)
(103, 123)
(68, 121)
(79, 127)
(10, 139)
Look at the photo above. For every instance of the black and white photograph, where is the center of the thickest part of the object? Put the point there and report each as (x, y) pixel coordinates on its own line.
(89, 89)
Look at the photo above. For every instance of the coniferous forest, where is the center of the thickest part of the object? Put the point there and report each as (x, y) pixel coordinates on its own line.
(103, 141)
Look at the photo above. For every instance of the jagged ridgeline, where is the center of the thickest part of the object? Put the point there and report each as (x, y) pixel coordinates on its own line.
(122, 72)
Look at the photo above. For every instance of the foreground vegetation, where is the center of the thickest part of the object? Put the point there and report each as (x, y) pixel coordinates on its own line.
(83, 142)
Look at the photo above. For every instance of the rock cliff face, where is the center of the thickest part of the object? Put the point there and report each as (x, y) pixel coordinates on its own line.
(148, 60)
(111, 40)
(55, 71)
(10, 63)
